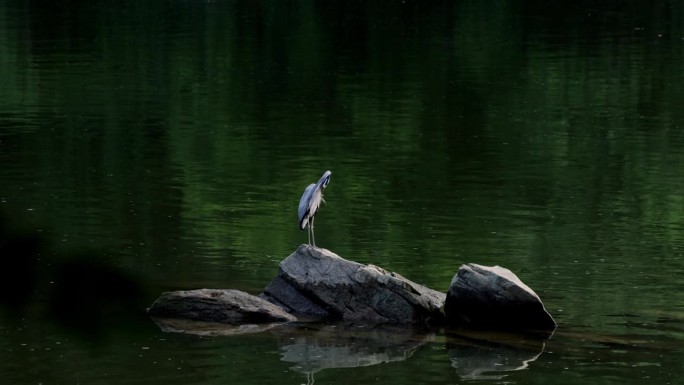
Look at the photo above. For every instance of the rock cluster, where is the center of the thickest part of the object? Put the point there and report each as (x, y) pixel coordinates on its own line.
(316, 284)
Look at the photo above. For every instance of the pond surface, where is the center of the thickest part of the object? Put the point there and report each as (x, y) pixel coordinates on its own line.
(164, 145)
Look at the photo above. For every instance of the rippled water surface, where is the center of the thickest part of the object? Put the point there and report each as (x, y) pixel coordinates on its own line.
(164, 145)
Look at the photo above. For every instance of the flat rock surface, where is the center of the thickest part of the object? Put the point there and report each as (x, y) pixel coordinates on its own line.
(494, 297)
(316, 283)
(221, 306)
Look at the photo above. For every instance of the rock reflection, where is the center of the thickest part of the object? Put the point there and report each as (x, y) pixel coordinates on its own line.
(314, 347)
(487, 356)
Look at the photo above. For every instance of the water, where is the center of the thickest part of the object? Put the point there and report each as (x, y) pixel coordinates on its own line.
(171, 141)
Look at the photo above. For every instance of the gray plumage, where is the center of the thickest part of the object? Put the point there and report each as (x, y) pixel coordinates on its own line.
(310, 203)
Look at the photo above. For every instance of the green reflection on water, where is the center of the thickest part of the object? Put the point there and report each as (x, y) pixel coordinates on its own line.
(177, 137)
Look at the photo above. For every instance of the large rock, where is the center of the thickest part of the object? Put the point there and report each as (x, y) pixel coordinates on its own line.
(318, 284)
(222, 306)
(494, 298)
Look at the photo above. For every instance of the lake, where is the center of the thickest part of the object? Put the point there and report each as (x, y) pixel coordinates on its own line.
(164, 145)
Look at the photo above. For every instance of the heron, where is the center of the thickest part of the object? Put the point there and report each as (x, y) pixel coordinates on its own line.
(310, 203)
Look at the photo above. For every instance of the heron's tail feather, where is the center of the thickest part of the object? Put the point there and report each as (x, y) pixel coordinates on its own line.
(304, 222)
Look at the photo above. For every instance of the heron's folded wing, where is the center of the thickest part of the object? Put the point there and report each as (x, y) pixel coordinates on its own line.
(304, 205)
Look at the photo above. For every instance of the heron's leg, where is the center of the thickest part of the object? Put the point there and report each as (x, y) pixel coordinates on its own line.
(308, 233)
(312, 232)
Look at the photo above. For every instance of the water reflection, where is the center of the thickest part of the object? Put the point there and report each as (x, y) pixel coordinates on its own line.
(175, 136)
(314, 347)
(491, 356)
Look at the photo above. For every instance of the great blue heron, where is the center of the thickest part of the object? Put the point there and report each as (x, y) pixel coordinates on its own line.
(309, 204)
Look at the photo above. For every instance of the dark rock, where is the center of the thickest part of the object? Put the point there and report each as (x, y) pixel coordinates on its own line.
(221, 306)
(494, 298)
(317, 283)
(212, 329)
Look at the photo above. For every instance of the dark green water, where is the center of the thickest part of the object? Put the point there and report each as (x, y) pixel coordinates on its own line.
(171, 140)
